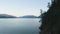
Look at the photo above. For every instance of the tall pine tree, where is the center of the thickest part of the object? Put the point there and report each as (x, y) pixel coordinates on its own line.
(51, 19)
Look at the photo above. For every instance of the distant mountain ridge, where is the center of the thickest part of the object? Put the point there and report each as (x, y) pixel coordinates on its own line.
(6, 16)
(11, 16)
(29, 16)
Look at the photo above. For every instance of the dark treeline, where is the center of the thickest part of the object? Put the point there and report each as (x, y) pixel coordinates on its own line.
(51, 19)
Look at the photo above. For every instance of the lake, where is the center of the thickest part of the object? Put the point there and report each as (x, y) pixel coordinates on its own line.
(19, 25)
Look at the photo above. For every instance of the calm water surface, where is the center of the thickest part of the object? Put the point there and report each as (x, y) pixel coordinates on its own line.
(19, 26)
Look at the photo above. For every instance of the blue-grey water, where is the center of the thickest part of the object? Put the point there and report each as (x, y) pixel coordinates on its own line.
(19, 26)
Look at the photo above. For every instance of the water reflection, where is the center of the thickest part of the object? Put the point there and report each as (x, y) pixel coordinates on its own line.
(19, 26)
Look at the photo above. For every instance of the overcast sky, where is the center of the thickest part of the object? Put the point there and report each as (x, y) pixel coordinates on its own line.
(22, 7)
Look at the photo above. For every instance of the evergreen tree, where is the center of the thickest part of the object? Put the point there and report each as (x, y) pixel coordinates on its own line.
(51, 19)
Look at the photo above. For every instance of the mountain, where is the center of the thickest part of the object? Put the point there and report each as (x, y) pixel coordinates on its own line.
(6, 16)
(28, 16)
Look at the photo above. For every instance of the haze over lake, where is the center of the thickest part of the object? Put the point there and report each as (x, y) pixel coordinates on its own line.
(19, 26)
